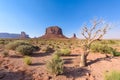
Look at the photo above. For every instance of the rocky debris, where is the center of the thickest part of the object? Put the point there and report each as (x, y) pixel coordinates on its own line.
(23, 35)
(53, 32)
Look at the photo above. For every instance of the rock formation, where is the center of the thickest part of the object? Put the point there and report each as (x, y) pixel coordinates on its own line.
(74, 36)
(13, 35)
(53, 32)
(23, 35)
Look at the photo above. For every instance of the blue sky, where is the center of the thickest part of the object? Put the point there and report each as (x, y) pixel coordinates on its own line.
(34, 16)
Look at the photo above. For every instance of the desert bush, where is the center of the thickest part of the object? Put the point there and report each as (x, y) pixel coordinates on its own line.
(22, 47)
(62, 52)
(105, 49)
(25, 49)
(27, 60)
(47, 49)
(65, 52)
(115, 53)
(57, 52)
(112, 75)
(36, 48)
(108, 42)
(15, 44)
(4, 53)
(102, 48)
(55, 65)
(2, 41)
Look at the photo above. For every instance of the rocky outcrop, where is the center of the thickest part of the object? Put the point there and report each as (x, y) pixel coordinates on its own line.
(74, 36)
(23, 35)
(53, 32)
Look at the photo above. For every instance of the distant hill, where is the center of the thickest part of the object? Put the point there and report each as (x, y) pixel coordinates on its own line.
(13, 35)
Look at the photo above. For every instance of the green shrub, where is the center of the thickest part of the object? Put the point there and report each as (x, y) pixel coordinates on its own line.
(4, 53)
(15, 44)
(57, 52)
(22, 47)
(62, 52)
(36, 48)
(47, 49)
(25, 49)
(2, 41)
(102, 48)
(115, 53)
(108, 42)
(113, 75)
(55, 65)
(65, 52)
(27, 60)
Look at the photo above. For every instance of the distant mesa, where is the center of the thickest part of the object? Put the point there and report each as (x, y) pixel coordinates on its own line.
(53, 32)
(23, 35)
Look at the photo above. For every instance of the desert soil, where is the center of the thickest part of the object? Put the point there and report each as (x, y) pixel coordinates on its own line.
(13, 68)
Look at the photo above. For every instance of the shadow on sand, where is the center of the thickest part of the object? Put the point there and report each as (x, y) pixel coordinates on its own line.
(40, 54)
(18, 75)
(99, 59)
(71, 72)
(15, 56)
(68, 60)
(37, 64)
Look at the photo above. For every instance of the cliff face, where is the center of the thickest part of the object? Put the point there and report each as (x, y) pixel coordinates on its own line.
(53, 32)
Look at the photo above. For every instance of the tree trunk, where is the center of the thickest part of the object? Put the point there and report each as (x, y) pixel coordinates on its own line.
(83, 60)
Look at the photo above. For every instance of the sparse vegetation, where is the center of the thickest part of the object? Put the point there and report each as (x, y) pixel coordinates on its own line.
(47, 49)
(13, 45)
(102, 48)
(2, 41)
(55, 65)
(27, 60)
(112, 75)
(65, 52)
(4, 53)
(25, 49)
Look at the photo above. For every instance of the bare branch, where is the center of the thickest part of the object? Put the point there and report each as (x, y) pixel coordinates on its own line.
(95, 23)
(94, 33)
(84, 35)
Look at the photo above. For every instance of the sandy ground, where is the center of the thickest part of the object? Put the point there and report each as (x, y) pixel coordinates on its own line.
(13, 68)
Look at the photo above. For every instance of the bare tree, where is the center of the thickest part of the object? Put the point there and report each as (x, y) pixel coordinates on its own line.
(96, 31)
